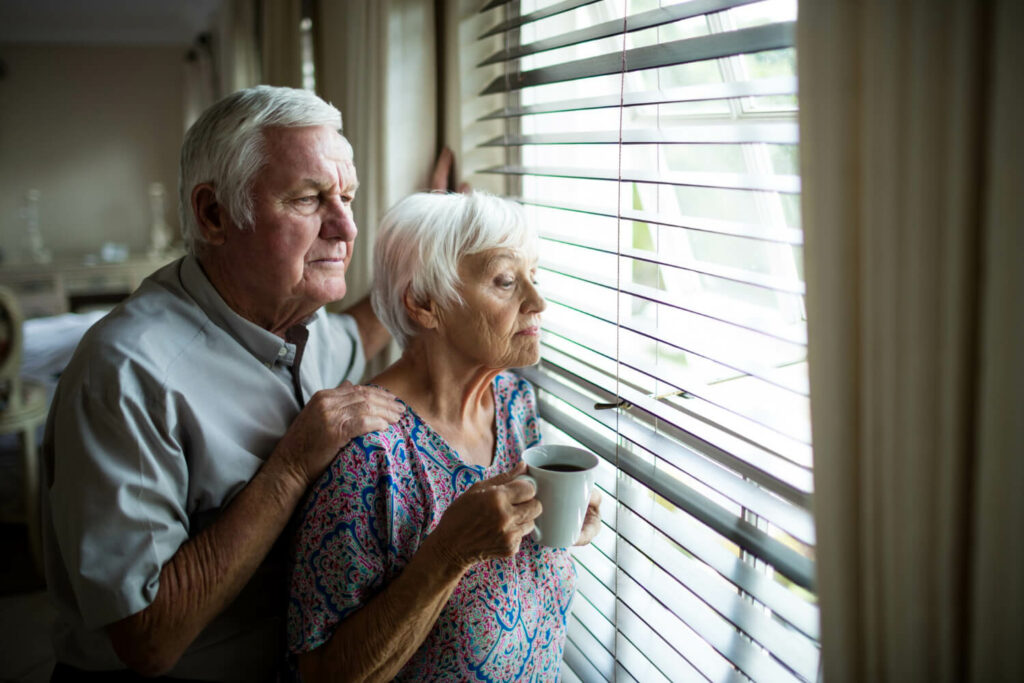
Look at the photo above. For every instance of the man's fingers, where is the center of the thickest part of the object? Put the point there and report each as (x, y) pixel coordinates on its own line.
(364, 398)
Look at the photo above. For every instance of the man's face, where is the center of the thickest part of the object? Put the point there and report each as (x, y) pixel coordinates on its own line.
(294, 260)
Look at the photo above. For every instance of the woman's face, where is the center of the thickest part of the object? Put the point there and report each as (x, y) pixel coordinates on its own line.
(498, 323)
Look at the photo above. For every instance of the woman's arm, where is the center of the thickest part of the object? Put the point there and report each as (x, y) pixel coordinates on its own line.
(374, 643)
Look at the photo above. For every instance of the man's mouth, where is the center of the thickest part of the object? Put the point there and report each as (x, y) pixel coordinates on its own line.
(334, 258)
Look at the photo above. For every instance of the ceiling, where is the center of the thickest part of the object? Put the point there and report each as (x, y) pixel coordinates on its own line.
(109, 22)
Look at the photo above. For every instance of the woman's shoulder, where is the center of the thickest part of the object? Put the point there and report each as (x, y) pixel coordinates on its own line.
(513, 388)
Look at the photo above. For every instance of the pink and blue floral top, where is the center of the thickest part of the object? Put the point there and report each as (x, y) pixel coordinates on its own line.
(373, 507)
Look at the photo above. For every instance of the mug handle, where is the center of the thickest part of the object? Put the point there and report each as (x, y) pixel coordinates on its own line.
(536, 530)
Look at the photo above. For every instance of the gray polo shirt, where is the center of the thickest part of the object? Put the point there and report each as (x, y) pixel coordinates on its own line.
(166, 410)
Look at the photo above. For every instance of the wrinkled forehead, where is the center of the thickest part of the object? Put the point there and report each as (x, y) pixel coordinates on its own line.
(349, 177)
(311, 152)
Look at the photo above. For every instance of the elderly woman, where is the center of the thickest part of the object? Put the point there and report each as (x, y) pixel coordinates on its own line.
(413, 558)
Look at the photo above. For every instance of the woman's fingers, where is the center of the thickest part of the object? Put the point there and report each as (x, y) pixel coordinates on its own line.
(592, 520)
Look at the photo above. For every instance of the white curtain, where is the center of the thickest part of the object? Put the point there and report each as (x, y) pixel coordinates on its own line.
(911, 163)
(236, 50)
(281, 43)
(376, 63)
(200, 81)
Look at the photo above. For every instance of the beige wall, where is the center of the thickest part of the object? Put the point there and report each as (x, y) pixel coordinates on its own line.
(90, 127)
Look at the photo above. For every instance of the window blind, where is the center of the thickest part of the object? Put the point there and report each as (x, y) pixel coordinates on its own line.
(654, 145)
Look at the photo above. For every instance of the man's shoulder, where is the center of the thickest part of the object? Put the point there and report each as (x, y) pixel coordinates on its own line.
(152, 326)
(336, 327)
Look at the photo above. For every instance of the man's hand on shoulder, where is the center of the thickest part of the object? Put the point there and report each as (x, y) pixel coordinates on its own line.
(331, 419)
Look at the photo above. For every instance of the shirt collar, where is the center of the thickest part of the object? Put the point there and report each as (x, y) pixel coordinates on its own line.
(267, 347)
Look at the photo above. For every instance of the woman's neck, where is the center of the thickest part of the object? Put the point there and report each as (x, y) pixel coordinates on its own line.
(451, 395)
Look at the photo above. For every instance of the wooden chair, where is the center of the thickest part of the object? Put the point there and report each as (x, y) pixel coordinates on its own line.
(23, 408)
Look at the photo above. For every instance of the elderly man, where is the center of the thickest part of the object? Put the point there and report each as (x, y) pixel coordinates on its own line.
(191, 420)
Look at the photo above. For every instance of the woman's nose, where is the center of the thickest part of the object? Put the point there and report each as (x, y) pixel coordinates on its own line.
(534, 302)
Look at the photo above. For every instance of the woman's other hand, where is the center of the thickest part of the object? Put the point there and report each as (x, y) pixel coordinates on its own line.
(592, 522)
(489, 520)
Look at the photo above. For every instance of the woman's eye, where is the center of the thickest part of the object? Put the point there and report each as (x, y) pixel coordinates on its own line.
(505, 282)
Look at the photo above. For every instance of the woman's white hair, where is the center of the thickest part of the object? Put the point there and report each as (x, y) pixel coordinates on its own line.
(225, 148)
(420, 243)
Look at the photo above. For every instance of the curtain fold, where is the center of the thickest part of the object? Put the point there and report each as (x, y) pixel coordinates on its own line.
(376, 63)
(281, 42)
(903, 137)
(237, 56)
(997, 586)
(200, 80)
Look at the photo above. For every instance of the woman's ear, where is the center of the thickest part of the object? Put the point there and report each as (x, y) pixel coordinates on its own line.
(423, 313)
(208, 213)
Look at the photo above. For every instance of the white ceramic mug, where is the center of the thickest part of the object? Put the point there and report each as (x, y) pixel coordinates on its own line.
(564, 478)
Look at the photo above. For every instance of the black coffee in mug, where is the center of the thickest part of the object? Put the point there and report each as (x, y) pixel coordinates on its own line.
(558, 467)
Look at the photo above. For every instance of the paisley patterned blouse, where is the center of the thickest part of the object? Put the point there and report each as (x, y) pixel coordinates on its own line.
(373, 507)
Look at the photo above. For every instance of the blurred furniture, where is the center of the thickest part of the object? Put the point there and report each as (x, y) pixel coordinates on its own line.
(23, 408)
(74, 285)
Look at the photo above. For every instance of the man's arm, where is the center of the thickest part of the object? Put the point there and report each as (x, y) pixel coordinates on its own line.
(375, 642)
(371, 331)
(209, 570)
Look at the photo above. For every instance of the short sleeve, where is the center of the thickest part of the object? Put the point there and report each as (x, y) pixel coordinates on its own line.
(347, 354)
(119, 493)
(340, 551)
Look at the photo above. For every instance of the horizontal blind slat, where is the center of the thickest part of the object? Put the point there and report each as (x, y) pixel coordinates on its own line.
(771, 472)
(797, 522)
(599, 658)
(493, 4)
(656, 607)
(781, 85)
(686, 50)
(666, 574)
(579, 663)
(778, 332)
(743, 277)
(783, 184)
(791, 564)
(756, 233)
(678, 376)
(695, 347)
(636, 507)
(523, 19)
(685, 385)
(635, 22)
(776, 133)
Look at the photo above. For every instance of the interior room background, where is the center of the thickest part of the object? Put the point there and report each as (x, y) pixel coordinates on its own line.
(875, 146)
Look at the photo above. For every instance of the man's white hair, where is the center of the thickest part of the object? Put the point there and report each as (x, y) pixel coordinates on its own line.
(225, 147)
(420, 243)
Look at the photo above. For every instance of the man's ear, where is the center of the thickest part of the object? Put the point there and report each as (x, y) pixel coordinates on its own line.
(209, 214)
(423, 313)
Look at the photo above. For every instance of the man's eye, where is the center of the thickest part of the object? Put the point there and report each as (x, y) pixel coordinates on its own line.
(308, 200)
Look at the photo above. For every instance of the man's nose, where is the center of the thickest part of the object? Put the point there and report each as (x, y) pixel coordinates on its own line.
(338, 221)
